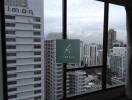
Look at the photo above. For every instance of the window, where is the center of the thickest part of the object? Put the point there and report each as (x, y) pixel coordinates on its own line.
(11, 61)
(10, 24)
(36, 26)
(37, 59)
(12, 83)
(37, 40)
(117, 49)
(12, 89)
(9, 17)
(11, 75)
(10, 32)
(11, 68)
(37, 79)
(37, 85)
(37, 72)
(37, 53)
(10, 39)
(37, 91)
(37, 19)
(84, 22)
(11, 47)
(37, 46)
(37, 98)
(11, 54)
(37, 66)
(12, 96)
(36, 33)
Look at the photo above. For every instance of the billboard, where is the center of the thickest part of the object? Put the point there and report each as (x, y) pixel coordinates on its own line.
(68, 51)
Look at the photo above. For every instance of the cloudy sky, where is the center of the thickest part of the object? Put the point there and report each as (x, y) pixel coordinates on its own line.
(85, 19)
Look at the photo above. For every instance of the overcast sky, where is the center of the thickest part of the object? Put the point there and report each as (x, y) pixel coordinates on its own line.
(85, 19)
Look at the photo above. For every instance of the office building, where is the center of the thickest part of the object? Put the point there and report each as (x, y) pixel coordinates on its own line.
(25, 68)
(54, 71)
(76, 83)
(90, 54)
(118, 62)
(111, 38)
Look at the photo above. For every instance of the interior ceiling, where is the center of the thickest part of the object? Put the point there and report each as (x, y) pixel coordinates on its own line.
(119, 2)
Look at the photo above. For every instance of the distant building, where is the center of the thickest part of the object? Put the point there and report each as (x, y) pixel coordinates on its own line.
(118, 62)
(111, 38)
(54, 71)
(90, 54)
(118, 44)
(54, 36)
(76, 82)
(99, 57)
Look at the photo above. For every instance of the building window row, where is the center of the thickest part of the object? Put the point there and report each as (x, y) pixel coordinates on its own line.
(11, 68)
(37, 40)
(11, 61)
(36, 33)
(37, 53)
(11, 75)
(11, 47)
(37, 66)
(37, 72)
(10, 32)
(9, 17)
(10, 24)
(11, 82)
(12, 96)
(37, 79)
(37, 26)
(37, 59)
(37, 19)
(37, 46)
(10, 39)
(11, 54)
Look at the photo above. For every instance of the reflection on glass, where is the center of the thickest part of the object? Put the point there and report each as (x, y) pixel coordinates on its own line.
(117, 47)
(80, 82)
(52, 31)
(85, 22)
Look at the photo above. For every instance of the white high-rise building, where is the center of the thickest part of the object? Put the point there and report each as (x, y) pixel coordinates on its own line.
(118, 61)
(76, 83)
(54, 71)
(24, 32)
(90, 54)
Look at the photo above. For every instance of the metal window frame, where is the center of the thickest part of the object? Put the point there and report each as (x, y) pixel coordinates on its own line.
(105, 44)
(3, 43)
(65, 70)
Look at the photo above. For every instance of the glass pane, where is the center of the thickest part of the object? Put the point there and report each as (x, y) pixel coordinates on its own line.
(85, 22)
(81, 82)
(52, 31)
(24, 47)
(117, 47)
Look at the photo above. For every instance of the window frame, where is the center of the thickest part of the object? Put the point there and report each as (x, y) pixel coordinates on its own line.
(104, 59)
(64, 32)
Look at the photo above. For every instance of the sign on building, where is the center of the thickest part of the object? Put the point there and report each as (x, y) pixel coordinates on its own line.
(67, 51)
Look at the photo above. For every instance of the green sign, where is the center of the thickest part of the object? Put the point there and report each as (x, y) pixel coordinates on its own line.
(67, 51)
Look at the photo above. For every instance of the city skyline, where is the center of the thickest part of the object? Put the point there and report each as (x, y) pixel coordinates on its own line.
(83, 20)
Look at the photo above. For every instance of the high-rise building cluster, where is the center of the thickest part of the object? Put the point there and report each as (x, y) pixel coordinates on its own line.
(79, 82)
